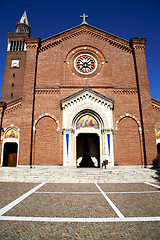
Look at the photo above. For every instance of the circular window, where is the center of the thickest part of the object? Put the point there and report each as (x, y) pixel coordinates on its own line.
(85, 61)
(85, 64)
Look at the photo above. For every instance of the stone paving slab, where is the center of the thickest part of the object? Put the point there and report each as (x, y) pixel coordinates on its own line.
(10, 191)
(127, 187)
(63, 205)
(12, 230)
(137, 205)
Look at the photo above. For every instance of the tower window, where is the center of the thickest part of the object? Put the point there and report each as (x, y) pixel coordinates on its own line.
(11, 94)
(14, 75)
(12, 84)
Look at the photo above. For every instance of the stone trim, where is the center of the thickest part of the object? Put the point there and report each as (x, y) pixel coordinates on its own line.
(87, 93)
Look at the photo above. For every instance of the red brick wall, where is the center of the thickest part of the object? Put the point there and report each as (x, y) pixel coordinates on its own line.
(16, 79)
(47, 144)
(128, 151)
(28, 102)
(148, 132)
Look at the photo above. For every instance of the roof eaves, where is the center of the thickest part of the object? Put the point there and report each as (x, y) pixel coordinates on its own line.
(88, 25)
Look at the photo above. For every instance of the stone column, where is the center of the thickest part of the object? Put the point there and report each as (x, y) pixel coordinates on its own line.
(26, 129)
(145, 105)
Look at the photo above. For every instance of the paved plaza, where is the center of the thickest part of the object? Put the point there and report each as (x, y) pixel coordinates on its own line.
(98, 210)
(79, 203)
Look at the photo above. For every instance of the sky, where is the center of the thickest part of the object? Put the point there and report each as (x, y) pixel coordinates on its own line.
(123, 18)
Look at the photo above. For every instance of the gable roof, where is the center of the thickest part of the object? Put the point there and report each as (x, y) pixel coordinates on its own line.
(85, 29)
(87, 92)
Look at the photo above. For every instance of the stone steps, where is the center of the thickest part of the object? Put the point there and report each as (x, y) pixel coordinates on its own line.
(68, 174)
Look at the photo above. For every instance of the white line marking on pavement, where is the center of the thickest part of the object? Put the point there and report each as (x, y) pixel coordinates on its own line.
(120, 215)
(96, 220)
(97, 192)
(70, 192)
(152, 184)
(18, 200)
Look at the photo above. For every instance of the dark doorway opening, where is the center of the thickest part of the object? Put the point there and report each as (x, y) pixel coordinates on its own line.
(10, 155)
(88, 150)
(158, 148)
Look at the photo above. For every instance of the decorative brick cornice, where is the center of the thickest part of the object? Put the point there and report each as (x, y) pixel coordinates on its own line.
(139, 47)
(32, 43)
(112, 40)
(138, 43)
(47, 91)
(125, 91)
(155, 104)
(155, 107)
(13, 107)
(31, 46)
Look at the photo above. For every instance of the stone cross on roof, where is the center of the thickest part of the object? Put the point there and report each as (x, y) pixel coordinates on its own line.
(84, 16)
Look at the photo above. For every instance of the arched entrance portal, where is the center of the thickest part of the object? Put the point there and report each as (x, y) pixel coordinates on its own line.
(10, 148)
(10, 154)
(87, 129)
(88, 150)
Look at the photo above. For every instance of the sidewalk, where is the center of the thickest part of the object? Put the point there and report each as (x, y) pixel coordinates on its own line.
(57, 174)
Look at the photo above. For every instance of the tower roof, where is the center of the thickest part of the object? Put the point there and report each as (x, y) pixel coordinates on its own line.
(24, 18)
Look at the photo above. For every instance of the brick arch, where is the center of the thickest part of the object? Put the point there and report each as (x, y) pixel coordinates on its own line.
(46, 142)
(43, 116)
(128, 142)
(128, 116)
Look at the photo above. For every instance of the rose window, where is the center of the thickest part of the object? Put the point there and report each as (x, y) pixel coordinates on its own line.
(85, 64)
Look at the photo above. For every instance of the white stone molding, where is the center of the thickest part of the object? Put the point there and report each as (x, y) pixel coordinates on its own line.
(87, 102)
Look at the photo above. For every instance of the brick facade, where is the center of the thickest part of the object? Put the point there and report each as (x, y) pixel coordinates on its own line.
(47, 74)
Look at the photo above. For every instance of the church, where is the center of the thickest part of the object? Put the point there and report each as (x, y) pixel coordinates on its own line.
(80, 98)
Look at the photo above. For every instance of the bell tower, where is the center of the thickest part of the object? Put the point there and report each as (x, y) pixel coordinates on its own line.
(23, 25)
(15, 61)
